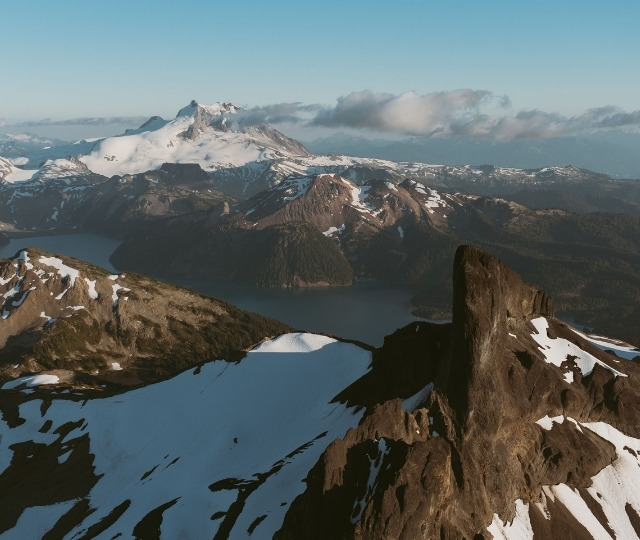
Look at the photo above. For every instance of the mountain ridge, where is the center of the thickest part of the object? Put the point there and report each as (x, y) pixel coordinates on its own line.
(83, 323)
(563, 242)
(406, 233)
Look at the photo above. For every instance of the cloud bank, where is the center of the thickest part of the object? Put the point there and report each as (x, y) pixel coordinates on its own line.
(86, 121)
(430, 114)
(465, 112)
(279, 113)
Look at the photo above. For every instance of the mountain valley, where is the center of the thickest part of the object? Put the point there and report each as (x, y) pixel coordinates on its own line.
(208, 195)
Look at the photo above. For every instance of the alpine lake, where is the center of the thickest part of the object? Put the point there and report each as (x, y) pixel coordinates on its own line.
(364, 311)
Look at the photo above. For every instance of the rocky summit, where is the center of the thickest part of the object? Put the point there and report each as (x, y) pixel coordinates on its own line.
(504, 423)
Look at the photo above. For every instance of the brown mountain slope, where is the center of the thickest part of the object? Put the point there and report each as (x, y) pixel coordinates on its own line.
(59, 313)
(493, 427)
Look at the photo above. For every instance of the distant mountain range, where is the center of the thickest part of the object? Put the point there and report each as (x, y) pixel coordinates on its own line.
(613, 153)
(17, 146)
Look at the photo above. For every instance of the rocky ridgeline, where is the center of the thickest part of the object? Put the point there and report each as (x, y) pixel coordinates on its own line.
(87, 326)
(332, 201)
(492, 438)
(66, 197)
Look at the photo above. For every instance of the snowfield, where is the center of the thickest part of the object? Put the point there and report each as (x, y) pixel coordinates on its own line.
(201, 438)
(613, 488)
(159, 141)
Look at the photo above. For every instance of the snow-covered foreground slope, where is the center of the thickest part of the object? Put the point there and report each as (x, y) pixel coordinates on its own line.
(218, 451)
(608, 509)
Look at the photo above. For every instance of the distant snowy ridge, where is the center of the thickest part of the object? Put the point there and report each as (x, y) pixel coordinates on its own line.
(198, 134)
(243, 158)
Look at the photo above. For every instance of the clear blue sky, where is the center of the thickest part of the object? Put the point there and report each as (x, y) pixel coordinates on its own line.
(73, 58)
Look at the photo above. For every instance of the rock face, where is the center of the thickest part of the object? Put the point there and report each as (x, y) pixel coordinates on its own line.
(481, 433)
(489, 301)
(65, 316)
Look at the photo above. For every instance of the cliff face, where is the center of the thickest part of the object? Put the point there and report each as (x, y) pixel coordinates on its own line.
(481, 428)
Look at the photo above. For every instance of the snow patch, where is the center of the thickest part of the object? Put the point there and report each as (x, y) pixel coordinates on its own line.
(520, 528)
(91, 283)
(62, 268)
(333, 230)
(33, 380)
(295, 188)
(547, 422)
(24, 256)
(413, 402)
(557, 350)
(114, 295)
(18, 303)
(375, 464)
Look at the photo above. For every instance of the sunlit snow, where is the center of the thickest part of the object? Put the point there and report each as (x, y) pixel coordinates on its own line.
(32, 380)
(559, 350)
(228, 421)
(520, 528)
(613, 489)
(62, 268)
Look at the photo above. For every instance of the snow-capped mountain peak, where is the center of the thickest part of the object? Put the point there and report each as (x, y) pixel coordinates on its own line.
(198, 134)
(216, 109)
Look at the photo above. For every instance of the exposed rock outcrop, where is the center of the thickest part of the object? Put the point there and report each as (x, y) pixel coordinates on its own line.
(475, 438)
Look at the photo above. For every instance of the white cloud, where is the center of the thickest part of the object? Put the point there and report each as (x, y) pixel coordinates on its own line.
(85, 121)
(463, 112)
(467, 112)
(429, 114)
